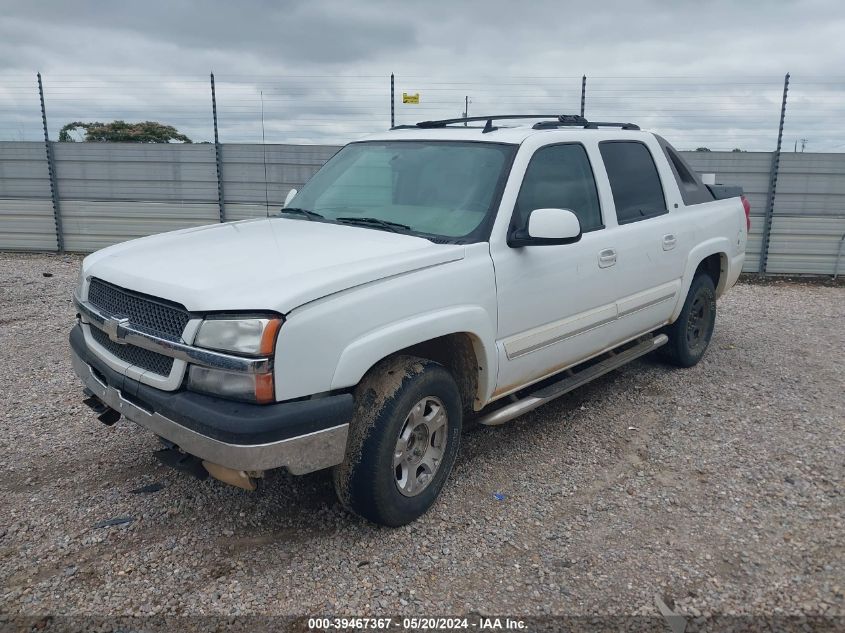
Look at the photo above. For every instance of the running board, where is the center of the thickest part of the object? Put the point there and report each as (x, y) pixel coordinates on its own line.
(572, 381)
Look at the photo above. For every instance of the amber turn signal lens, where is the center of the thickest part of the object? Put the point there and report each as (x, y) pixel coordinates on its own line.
(264, 391)
(268, 337)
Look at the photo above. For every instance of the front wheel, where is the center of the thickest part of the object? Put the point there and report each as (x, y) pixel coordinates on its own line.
(690, 334)
(403, 441)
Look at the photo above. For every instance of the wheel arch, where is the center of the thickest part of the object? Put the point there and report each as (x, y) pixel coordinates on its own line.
(458, 353)
(710, 258)
(462, 350)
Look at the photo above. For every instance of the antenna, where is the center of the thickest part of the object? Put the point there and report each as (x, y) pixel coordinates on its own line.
(264, 148)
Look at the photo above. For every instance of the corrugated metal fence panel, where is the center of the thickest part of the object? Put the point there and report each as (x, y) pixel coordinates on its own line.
(27, 225)
(805, 245)
(111, 192)
(246, 211)
(91, 225)
(171, 173)
(288, 166)
(23, 170)
(808, 183)
(811, 184)
(26, 206)
(752, 248)
(750, 170)
(809, 213)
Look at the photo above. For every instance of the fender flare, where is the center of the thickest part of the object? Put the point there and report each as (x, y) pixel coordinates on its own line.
(362, 353)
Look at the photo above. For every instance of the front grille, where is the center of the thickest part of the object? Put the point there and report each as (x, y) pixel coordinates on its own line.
(156, 316)
(151, 361)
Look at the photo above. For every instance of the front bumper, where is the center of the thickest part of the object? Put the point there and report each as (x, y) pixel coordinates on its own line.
(301, 436)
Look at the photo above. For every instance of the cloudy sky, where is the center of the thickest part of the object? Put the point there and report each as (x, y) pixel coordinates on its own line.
(705, 73)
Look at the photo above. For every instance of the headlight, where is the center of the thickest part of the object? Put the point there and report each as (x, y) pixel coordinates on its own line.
(247, 336)
(253, 336)
(236, 386)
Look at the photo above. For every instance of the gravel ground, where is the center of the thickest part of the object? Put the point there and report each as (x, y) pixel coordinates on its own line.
(718, 487)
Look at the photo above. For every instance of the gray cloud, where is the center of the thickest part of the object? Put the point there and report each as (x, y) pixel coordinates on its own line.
(297, 32)
(700, 73)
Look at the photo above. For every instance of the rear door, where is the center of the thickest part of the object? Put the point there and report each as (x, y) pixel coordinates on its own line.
(649, 240)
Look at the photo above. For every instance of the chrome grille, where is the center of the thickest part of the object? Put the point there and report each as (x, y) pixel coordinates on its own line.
(151, 361)
(159, 317)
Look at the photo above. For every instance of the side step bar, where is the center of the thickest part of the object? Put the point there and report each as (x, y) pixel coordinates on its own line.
(572, 381)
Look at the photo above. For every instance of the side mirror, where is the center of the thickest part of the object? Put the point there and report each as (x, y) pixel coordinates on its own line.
(291, 194)
(547, 227)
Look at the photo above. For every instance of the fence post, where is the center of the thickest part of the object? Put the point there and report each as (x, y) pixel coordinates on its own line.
(51, 170)
(392, 102)
(583, 92)
(217, 157)
(773, 184)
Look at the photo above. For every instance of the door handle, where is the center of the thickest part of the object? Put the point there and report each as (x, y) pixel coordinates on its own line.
(607, 258)
(669, 242)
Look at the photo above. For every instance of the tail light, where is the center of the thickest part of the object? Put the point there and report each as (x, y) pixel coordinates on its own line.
(747, 206)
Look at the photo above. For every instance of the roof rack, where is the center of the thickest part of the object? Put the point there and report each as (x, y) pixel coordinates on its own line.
(551, 121)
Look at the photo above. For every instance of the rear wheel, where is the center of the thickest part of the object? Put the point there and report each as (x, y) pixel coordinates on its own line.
(403, 441)
(690, 334)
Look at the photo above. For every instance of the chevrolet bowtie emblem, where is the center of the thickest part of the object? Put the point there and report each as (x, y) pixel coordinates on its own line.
(113, 326)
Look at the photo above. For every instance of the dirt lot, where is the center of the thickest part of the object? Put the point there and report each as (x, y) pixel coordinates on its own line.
(719, 487)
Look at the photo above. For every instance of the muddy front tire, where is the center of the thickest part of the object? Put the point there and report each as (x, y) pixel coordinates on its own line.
(403, 441)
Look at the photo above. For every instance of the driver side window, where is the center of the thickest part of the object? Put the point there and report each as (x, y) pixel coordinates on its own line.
(560, 177)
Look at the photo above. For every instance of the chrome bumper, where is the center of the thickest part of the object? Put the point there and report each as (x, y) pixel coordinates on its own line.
(300, 455)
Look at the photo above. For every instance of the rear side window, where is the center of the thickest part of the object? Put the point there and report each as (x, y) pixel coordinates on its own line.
(634, 181)
(685, 177)
(693, 191)
(560, 177)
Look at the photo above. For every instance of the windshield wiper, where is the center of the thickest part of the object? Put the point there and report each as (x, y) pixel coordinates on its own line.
(375, 223)
(311, 215)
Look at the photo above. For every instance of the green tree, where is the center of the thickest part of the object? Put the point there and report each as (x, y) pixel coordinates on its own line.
(123, 132)
(702, 149)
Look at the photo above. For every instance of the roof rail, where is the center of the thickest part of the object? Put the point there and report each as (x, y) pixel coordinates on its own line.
(587, 125)
(551, 121)
(488, 119)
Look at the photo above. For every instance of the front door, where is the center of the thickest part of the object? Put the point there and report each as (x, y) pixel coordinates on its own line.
(554, 301)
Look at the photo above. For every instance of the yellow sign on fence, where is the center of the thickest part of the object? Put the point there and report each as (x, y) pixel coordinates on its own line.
(414, 98)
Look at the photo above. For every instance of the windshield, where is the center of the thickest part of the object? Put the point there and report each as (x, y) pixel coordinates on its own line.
(432, 188)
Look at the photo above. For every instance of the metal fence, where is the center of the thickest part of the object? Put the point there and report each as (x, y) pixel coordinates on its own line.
(808, 215)
(721, 112)
(104, 193)
(110, 192)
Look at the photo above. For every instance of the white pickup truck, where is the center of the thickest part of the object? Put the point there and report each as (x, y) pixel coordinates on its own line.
(425, 276)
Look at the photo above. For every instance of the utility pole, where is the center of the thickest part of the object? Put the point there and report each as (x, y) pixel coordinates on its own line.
(466, 108)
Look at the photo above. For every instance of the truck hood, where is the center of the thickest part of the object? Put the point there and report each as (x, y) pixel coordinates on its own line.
(268, 264)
